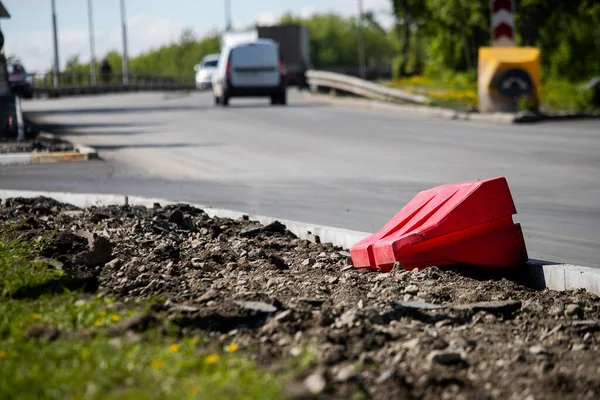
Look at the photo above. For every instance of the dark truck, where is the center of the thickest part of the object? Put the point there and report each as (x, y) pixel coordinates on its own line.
(294, 46)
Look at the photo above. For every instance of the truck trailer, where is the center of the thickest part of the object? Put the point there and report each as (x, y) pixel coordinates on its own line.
(294, 46)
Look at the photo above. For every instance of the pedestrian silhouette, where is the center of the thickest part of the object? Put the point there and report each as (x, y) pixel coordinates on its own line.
(105, 71)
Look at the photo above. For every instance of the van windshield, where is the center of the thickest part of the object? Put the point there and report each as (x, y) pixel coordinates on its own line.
(211, 64)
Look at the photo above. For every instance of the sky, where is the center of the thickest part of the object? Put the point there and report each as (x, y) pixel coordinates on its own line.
(150, 23)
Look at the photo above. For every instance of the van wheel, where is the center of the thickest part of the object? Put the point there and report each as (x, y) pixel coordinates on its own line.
(279, 99)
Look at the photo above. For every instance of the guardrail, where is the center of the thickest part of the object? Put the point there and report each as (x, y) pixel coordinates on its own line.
(360, 87)
(80, 84)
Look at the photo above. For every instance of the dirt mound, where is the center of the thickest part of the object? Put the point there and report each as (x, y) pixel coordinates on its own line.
(431, 334)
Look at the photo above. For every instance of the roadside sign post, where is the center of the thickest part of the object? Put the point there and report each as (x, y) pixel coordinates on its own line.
(503, 23)
(20, 122)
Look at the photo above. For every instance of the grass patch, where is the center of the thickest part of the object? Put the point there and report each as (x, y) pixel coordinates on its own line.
(456, 91)
(156, 364)
(459, 91)
(18, 271)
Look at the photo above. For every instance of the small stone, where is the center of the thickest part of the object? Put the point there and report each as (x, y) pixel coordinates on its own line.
(114, 264)
(384, 376)
(295, 351)
(327, 317)
(578, 347)
(313, 301)
(347, 268)
(345, 373)
(278, 262)
(284, 316)
(176, 216)
(411, 289)
(445, 357)
(360, 304)
(333, 280)
(573, 310)
(419, 305)
(308, 262)
(501, 307)
(73, 214)
(257, 306)
(556, 311)
(335, 256)
(551, 332)
(256, 253)
(539, 350)
(184, 308)
(208, 296)
(411, 344)
(372, 314)
(348, 318)
(315, 382)
(313, 239)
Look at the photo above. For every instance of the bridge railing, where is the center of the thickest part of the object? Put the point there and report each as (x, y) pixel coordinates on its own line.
(81, 83)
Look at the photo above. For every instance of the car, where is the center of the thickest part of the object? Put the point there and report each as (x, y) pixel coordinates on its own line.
(19, 79)
(252, 68)
(205, 70)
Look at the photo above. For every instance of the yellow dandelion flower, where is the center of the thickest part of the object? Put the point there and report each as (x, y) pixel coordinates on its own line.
(232, 348)
(157, 364)
(174, 348)
(2, 354)
(37, 317)
(211, 359)
(115, 318)
(99, 321)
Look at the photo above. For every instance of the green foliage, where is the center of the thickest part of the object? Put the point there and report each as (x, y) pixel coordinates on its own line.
(452, 32)
(17, 271)
(334, 40)
(156, 364)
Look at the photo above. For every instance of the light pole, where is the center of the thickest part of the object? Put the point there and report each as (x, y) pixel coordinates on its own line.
(92, 50)
(125, 52)
(227, 15)
(55, 34)
(361, 42)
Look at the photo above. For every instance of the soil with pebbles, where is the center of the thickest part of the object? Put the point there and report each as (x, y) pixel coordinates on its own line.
(429, 334)
(39, 145)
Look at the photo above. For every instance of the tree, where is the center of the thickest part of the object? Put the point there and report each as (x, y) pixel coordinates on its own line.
(409, 15)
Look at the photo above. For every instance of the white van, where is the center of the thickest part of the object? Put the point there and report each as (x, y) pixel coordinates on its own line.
(250, 69)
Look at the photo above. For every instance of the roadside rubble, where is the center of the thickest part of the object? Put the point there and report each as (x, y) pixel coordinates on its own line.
(34, 145)
(428, 334)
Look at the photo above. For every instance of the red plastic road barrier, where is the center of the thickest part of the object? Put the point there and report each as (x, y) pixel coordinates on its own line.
(464, 223)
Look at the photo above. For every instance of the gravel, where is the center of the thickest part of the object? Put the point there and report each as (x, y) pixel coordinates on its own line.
(39, 145)
(430, 334)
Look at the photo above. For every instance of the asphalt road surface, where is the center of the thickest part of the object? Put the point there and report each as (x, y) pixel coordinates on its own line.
(323, 164)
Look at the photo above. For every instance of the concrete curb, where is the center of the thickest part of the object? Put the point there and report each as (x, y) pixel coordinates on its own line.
(80, 154)
(542, 274)
(447, 113)
(419, 111)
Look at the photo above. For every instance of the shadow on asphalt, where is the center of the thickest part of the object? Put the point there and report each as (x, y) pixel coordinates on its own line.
(154, 145)
(116, 110)
(131, 110)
